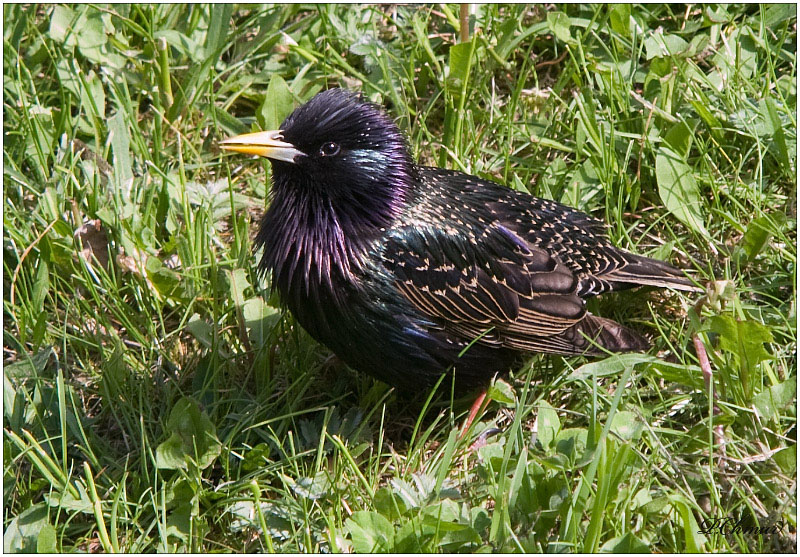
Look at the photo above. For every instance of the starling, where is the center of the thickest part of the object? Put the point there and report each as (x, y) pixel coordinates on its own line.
(406, 272)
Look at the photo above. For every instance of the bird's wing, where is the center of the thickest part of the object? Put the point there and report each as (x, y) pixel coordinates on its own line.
(496, 287)
(577, 240)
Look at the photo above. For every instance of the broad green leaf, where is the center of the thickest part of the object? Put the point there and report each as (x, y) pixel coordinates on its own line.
(444, 513)
(170, 454)
(655, 506)
(193, 438)
(238, 284)
(46, 540)
(28, 366)
(743, 338)
(61, 23)
(661, 46)
(461, 536)
(758, 233)
(735, 59)
(787, 460)
(678, 189)
(179, 521)
(389, 504)
(501, 392)
(278, 103)
(90, 35)
(547, 424)
(571, 442)
(776, 14)
(67, 501)
(22, 534)
(163, 279)
(626, 425)
(278, 518)
(201, 330)
(641, 498)
(459, 64)
(620, 16)
(660, 67)
(773, 401)
(414, 537)
(313, 488)
(94, 100)
(183, 44)
(370, 47)
(717, 14)
(260, 318)
(625, 544)
(559, 23)
(611, 365)
(698, 44)
(679, 138)
(693, 538)
(491, 452)
(84, 29)
(370, 532)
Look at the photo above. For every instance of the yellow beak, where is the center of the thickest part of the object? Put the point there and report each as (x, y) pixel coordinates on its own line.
(264, 144)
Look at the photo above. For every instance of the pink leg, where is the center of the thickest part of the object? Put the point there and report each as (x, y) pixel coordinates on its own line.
(473, 412)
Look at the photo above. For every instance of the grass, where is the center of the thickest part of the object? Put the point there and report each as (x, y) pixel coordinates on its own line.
(157, 398)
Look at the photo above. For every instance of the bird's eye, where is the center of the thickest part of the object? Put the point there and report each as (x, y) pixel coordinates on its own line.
(329, 149)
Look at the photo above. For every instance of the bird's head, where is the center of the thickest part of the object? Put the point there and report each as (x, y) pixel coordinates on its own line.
(339, 147)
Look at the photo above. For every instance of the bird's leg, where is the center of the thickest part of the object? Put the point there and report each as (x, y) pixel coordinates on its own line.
(483, 438)
(473, 412)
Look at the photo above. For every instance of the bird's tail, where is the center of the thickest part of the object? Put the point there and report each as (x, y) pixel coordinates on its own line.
(644, 271)
(596, 336)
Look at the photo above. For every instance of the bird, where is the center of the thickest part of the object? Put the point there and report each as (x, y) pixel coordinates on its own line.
(407, 272)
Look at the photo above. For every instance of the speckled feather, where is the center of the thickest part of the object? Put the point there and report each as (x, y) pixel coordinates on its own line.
(406, 272)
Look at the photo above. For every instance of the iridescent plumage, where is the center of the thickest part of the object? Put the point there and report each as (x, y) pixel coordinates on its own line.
(407, 271)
